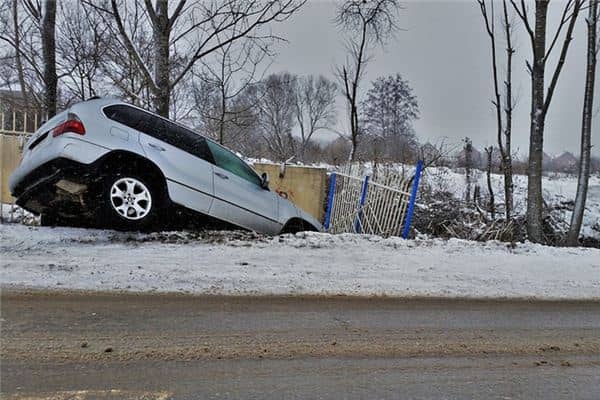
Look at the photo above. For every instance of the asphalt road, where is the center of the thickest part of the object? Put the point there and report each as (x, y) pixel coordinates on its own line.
(88, 346)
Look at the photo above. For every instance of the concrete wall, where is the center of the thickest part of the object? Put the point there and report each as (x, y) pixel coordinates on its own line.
(306, 187)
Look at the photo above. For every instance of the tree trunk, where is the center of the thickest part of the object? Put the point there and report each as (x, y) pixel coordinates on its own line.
(536, 136)
(49, 54)
(586, 127)
(504, 133)
(492, 204)
(468, 166)
(508, 186)
(161, 33)
(354, 128)
(506, 150)
(223, 112)
(303, 151)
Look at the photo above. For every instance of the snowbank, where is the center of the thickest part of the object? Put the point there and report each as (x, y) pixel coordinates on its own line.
(306, 264)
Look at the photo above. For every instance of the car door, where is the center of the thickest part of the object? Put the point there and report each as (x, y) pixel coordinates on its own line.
(184, 158)
(239, 196)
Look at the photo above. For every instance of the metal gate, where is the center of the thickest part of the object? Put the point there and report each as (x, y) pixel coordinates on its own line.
(359, 204)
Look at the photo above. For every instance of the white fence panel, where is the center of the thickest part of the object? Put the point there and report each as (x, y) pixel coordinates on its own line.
(358, 204)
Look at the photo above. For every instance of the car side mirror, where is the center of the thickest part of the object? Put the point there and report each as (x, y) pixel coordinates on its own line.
(264, 181)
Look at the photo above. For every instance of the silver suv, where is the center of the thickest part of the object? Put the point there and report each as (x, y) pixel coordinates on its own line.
(124, 167)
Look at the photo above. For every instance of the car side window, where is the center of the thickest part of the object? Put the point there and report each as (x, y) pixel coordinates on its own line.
(230, 162)
(129, 116)
(160, 129)
(188, 141)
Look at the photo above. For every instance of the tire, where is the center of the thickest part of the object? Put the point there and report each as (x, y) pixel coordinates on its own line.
(296, 225)
(131, 201)
(47, 219)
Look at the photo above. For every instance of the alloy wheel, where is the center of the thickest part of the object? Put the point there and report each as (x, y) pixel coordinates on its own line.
(130, 198)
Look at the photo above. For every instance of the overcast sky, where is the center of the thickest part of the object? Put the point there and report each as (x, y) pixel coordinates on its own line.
(443, 52)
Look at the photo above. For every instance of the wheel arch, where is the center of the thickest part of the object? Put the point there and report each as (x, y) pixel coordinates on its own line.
(127, 160)
(297, 224)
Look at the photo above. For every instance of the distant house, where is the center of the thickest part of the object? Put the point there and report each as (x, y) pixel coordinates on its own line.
(432, 154)
(12, 100)
(566, 162)
(17, 116)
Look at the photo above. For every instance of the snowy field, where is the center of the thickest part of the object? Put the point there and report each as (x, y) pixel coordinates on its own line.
(238, 263)
(559, 191)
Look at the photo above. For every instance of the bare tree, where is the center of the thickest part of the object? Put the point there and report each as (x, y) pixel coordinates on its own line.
(367, 24)
(82, 45)
(231, 71)
(586, 126)
(276, 99)
(336, 152)
(191, 30)
(504, 125)
(17, 46)
(315, 108)
(541, 97)
(43, 56)
(22, 22)
(247, 128)
(389, 110)
(120, 67)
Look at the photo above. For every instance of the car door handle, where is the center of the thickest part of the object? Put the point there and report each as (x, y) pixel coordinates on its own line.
(222, 176)
(156, 147)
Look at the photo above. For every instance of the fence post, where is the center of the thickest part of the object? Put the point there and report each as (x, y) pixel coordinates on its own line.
(363, 198)
(413, 199)
(330, 201)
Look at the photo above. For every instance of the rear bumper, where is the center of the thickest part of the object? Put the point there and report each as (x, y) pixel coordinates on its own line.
(44, 188)
(49, 151)
(33, 182)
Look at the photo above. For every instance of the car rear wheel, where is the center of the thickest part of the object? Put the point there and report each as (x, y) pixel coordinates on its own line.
(131, 202)
(130, 198)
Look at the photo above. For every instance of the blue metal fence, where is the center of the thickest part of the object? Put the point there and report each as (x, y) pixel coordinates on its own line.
(385, 207)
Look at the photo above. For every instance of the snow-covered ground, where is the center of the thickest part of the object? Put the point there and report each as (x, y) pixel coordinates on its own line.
(559, 190)
(304, 264)
(14, 213)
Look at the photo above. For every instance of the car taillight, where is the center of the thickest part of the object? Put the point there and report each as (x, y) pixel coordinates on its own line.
(72, 125)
